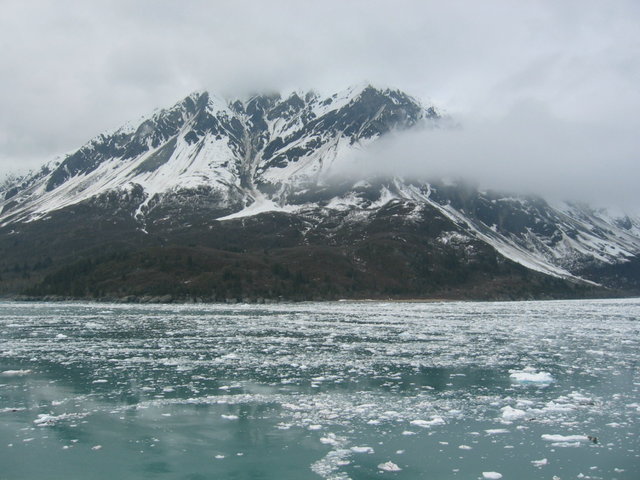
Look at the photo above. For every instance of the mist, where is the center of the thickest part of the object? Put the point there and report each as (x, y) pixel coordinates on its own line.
(528, 150)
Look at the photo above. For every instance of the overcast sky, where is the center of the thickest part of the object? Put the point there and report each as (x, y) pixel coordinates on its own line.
(535, 86)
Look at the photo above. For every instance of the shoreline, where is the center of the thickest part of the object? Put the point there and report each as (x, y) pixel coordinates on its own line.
(229, 302)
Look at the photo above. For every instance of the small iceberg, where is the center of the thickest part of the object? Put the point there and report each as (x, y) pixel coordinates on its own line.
(389, 467)
(510, 414)
(492, 475)
(15, 373)
(330, 439)
(362, 450)
(435, 420)
(529, 375)
(540, 463)
(45, 420)
(565, 438)
(565, 441)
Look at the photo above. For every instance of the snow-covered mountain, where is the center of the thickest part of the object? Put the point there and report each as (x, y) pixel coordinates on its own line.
(208, 164)
(242, 151)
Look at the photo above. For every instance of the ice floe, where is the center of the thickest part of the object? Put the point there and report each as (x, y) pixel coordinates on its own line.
(389, 467)
(48, 420)
(435, 420)
(496, 431)
(529, 375)
(492, 475)
(540, 463)
(15, 373)
(362, 450)
(511, 414)
(564, 438)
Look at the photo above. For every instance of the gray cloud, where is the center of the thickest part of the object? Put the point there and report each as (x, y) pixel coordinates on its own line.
(72, 69)
(528, 150)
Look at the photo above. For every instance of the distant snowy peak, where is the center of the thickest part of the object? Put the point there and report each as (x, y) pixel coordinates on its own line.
(235, 147)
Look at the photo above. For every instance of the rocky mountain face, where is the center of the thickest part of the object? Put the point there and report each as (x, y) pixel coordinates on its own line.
(235, 199)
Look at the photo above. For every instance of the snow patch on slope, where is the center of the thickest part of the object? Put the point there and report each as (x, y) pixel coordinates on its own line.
(261, 205)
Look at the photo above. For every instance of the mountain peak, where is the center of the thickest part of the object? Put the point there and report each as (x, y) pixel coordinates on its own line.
(262, 141)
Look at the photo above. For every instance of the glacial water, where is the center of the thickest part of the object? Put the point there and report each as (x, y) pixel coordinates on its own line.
(345, 390)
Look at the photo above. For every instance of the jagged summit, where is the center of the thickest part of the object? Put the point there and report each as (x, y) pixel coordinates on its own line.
(199, 172)
(203, 141)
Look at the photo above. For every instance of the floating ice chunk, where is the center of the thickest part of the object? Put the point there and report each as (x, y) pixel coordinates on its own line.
(389, 467)
(581, 399)
(420, 423)
(61, 336)
(552, 407)
(565, 438)
(510, 414)
(219, 457)
(492, 475)
(566, 444)
(530, 375)
(101, 380)
(330, 439)
(314, 427)
(45, 420)
(496, 431)
(465, 447)
(435, 420)
(96, 447)
(230, 417)
(362, 449)
(408, 432)
(540, 463)
(15, 373)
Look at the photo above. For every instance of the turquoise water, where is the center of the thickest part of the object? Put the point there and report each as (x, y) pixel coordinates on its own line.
(320, 390)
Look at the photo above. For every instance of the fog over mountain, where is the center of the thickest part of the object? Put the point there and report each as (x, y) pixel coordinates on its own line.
(528, 150)
(543, 95)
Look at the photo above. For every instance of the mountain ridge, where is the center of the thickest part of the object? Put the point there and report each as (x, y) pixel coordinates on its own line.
(194, 175)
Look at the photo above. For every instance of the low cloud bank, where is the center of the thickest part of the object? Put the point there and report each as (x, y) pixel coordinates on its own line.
(528, 150)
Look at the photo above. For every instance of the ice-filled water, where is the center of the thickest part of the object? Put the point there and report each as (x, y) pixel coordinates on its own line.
(345, 390)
